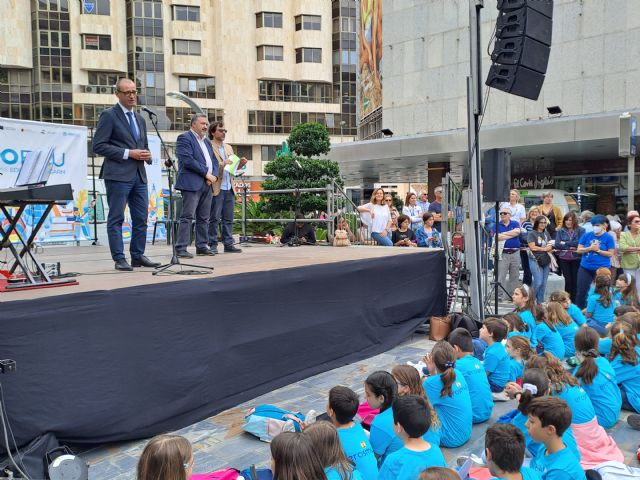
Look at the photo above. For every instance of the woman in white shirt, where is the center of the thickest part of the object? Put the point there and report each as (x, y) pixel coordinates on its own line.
(380, 218)
(412, 210)
(517, 209)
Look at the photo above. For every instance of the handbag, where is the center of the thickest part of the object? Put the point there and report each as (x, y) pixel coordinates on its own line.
(440, 328)
(341, 239)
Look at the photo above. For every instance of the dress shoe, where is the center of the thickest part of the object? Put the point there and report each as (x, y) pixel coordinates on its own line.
(232, 249)
(206, 251)
(184, 254)
(143, 262)
(123, 266)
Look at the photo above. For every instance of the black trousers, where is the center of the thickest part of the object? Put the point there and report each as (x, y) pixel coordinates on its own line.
(526, 271)
(569, 269)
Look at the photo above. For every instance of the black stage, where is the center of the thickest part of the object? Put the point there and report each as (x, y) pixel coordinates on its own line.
(129, 363)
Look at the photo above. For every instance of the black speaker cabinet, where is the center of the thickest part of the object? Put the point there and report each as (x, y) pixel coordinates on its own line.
(496, 175)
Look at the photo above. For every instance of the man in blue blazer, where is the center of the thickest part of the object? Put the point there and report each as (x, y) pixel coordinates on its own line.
(197, 171)
(121, 138)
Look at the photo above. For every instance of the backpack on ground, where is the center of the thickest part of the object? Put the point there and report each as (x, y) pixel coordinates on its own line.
(224, 474)
(267, 421)
(461, 320)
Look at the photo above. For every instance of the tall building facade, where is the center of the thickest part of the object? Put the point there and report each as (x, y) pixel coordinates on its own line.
(261, 66)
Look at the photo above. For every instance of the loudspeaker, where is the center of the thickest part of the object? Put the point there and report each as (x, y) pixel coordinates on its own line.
(496, 175)
(522, 47)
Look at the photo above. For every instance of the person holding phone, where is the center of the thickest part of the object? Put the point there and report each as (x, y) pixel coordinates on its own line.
(427, 235)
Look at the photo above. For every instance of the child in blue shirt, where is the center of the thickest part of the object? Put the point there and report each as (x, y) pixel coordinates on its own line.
(519, 349)
(546, 333)
(597, 378)
(474, 373)
(626, 292)
(504, 449)
(381, 390)
(625, 360)
(412, 421)
(448, 392)
(293, 456)
(525, 301)
(548, 419)
(496, 359)
(326, 445)
(572, 310)
(341, 409)
(565, 326)
(516, 326)
(600, 305)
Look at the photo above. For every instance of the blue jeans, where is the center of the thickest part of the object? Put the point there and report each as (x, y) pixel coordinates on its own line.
(585, 277)
(382, 241)
(539, 275)
(597, 326)
(222, 215)
(479, 346)
(119, 194)
(198, 204)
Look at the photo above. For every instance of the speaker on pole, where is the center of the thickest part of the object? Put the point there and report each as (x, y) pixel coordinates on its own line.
(496, 175)
(522, 47)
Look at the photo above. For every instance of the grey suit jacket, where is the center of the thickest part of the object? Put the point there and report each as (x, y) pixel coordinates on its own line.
(111, 138)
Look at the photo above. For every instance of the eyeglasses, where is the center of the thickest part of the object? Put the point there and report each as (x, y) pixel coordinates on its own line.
(222, 130)
(128, 93)
(388, 200)
(504, 213)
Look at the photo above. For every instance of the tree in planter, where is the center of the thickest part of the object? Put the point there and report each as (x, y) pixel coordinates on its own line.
(294, 171)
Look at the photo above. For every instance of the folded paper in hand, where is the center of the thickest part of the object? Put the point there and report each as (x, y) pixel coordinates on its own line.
(234, 167)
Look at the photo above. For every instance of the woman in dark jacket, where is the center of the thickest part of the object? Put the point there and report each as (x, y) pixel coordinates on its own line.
(566, 244)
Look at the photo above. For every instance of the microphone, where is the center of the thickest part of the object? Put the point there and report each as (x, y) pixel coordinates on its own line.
(149, 111)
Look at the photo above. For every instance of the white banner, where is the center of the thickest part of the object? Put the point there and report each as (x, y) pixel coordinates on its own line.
(66, 223)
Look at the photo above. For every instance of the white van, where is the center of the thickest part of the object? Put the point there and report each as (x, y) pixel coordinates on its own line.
(561, 198)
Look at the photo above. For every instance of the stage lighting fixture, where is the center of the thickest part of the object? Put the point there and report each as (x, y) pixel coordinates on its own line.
(555, 110)
(386, 132)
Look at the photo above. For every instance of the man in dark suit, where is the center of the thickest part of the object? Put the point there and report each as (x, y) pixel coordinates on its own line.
(198, 170)
(121, 138)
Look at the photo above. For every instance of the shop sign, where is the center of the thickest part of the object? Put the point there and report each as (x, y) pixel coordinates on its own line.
(534, 183)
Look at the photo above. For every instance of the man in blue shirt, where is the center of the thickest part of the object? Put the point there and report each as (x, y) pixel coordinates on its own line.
(509, 264)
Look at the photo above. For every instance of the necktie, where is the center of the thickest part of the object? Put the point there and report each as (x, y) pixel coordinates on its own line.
(132, 126)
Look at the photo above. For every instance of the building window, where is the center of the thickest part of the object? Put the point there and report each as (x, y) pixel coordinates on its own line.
(269, 20)
(54, 5)
(95, 7)
(270, 52)
(180, 118)
(186, 47)
(15, 93)
(186, 13)
(308, 55)
(96, 42)
(269, 152)
(308, 22)
(245, 151)
(88, 114)
(288, 91)
(268, 121)
(103, 79)
(198, 87)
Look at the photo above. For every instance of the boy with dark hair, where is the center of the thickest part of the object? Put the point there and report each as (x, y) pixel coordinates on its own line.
(504, 449)
(411, 421)
(549, 418)
(496, 358)
(341, 409)
(474, 373)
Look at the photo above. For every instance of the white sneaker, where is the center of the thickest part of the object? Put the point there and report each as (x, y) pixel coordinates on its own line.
(500, 396)
(310, 417)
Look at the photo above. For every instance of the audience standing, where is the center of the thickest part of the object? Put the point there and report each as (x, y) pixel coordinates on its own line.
(515, 207)
(552, 212)
(380, 218)
(630, 247)
(566, 245)
(509, 233)
(539, 255)
(412, 210)
(525, 228)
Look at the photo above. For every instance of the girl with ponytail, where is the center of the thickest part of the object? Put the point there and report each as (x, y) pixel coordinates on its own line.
(547, 334)
(625, 360)
(448, 392)
(381, 390)
(519, 349)
(565, 326)
(597, 377)
(524, 299)
(600, 305)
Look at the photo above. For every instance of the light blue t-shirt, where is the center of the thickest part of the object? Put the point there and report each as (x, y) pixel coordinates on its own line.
(579, 402)
(527, 317)
(454, 411)
(628, 377)
(576, 314)
(333, 474)
(496, 364)
(568, 334)
(479, 390)
(407, 464)
(591, 260)
(550, 340)
(604, 393)
(561, 465)
(383, 439)
(599, 312)
(604, 346)
(527, 474)
(516, 369)
(357, 448)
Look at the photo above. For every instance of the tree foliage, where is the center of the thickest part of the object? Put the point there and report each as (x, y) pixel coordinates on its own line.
(309, 140)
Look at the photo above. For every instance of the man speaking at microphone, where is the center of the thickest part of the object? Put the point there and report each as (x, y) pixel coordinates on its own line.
(121, 138)
(198, 171)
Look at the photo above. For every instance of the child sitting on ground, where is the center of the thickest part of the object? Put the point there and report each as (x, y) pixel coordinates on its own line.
(626, 293)
(439, 473)
(600, 306)
(381, 390)
(166, 456)
(572, 309)
(496, 359)
(448, 392)
(524, 299)
(548, 419)
(625, 360)
(474, 373)
(504, 450)
(411, 420)
(409, 383)
(293, 456)
(326, 444)
(547, 334)
(519, 349)
(565, 326)
(516, 326)
(341, 409)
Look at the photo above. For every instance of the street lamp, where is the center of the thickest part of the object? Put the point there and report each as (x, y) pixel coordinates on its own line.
(342, 124)
(181, 96)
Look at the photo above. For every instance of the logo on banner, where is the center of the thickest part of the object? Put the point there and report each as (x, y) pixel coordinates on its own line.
(89, 6)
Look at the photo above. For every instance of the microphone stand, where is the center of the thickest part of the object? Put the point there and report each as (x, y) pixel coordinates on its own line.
(171, 169)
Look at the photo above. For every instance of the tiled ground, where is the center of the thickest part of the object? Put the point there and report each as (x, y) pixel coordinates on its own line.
(219, 441)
